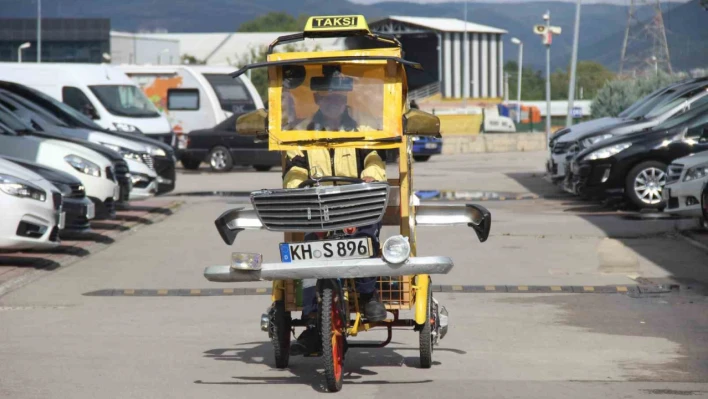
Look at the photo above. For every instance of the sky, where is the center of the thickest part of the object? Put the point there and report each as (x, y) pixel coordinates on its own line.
(506, 1)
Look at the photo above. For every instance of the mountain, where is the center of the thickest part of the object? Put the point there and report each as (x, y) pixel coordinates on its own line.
(601, 30)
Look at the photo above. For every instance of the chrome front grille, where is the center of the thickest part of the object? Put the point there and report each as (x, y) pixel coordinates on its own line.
(147, 158)
(674, 173)
(320, 209)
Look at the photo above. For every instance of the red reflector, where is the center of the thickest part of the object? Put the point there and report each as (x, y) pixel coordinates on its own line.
(349, 230)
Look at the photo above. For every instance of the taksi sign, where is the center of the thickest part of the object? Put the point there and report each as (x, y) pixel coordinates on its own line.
(334, 22)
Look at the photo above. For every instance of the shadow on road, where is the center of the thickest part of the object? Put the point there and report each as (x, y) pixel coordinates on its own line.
(28, 261)
(307, 371)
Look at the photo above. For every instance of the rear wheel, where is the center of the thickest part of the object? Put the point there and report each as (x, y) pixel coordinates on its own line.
(262, 168)
(220, 159)
(426, 335)
(332, 331)
(280, 334)
(645, 183)
(191, 164)
(421, 158)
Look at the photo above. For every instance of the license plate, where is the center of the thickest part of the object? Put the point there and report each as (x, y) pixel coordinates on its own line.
(431, 146)
(61, 220)
(90, 211)
(354, 248)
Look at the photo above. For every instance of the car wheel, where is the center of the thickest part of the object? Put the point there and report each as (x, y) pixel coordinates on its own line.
(421, 158)
(220, 159)
(262, 168)
(191, 164)
(645, 183)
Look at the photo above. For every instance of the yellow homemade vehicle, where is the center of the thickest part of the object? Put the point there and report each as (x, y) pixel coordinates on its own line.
(373, 81)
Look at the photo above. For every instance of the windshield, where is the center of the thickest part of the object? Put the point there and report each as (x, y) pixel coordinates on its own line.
(11, 120)
(697, 108)
(65, 112)
(41, 112)
(627, 112)
(650, 104)
(125, 100)
(668, 105)
(350, 100)
(232, 93)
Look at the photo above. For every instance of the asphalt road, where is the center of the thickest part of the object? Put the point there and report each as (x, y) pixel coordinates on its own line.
(58, 340)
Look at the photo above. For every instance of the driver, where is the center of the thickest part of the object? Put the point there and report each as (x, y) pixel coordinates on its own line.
(333, 115)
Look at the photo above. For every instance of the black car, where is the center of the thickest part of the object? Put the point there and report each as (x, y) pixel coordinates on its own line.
(79, 209)
(163, 154)
(634, 166)
(222, 148)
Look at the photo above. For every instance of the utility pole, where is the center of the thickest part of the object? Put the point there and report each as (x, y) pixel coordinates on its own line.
(464, 44)
(518, 81)
(636, 57)
(547, 17)
(573, 65)
(39, 31)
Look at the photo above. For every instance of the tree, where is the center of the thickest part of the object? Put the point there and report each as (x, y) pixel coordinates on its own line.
(275, 22)
(532, 82)
(617, 95)
(192, 60)
(590, 77)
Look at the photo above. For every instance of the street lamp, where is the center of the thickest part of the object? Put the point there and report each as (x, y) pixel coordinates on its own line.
(518, 83)
(22, 47)
(573, 66)
(106, 57)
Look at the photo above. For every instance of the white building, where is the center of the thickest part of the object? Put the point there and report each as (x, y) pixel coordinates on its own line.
(138, 48)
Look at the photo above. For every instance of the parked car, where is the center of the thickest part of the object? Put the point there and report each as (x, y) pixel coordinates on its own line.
(31, 209)
(686, 178)
(644, 114)
(195, 97)
(140, 162)
(162, 154)
(100, 91)
(426, 146)
(222, 148)
(95, 171)
(78, 208)
(634, 165)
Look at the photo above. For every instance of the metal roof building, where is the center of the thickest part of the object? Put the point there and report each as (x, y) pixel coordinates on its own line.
(465, 59)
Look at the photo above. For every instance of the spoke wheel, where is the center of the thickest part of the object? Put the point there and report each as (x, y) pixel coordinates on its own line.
(645, 184)
(220, 159)
(426, 334)
(280, 326)
(332, 331)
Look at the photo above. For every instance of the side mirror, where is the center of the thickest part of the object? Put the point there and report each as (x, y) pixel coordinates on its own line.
(421, 123)
(481, 222)
(91, 112)
(254, 123)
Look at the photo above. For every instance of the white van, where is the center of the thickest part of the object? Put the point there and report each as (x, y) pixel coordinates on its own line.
(100, 91)
(195, 96)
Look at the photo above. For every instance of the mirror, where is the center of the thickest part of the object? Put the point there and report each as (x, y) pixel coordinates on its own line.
(90, 111)
(482, 221)
(254, 123)
(421, 123)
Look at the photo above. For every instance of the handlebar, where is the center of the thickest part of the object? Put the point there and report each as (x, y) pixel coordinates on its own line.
(333, 179)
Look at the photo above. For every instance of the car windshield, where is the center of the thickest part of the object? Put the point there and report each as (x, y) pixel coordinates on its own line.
(65, 113)
(627, 112)
(668, 105)
(34, 109)
(125, 100)
(9, 119)
(650, 104)
(697, 108)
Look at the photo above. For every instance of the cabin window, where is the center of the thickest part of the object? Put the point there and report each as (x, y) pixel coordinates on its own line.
(182, 99)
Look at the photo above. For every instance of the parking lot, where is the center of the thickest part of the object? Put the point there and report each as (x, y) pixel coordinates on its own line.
(566, 298)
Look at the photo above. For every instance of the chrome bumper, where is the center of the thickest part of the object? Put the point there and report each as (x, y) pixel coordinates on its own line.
(350, 268)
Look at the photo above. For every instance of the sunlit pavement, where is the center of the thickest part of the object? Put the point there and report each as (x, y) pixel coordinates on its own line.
(587, 302)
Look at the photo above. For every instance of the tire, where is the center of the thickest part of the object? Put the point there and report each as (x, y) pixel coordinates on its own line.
(220, 159)
(704, 203)
(262, 168)
(421, 158)
(280, 334)
(425, 336)
(644, 184)
(332, 334)
(190, 163)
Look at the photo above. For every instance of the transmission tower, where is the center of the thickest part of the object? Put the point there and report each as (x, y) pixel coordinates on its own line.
(645, 46)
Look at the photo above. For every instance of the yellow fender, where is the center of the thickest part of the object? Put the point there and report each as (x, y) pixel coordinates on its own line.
(421, 298)
(278, 290)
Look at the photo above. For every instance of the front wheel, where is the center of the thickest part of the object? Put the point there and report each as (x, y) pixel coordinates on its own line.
(645, 183)
(332, 331)
(426, 334)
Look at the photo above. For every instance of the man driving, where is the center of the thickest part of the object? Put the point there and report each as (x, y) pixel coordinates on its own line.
(333, 114)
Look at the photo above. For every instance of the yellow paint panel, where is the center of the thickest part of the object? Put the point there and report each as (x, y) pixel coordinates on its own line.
(195, 292)
(621, 289)
(228, 291)
(129, 292)
(589, 289)
(523, 288)
(161, 292)
(457, 288)
(490, 288)
(261, 290)
(556, 288)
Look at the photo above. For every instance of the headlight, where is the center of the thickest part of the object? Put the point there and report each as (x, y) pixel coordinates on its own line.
(156, 151)
(83, 165)
(591, 141)
(125, 152)
(696, 172)
(607, 152)
(126, 127)
(21, 188)
(396, 249)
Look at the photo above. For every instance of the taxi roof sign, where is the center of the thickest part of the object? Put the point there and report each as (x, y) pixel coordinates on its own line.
(326, 25)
